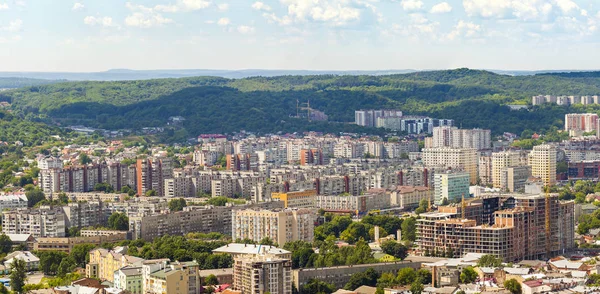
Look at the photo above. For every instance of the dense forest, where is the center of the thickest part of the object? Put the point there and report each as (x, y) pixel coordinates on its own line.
(266, 104)
(13, 83)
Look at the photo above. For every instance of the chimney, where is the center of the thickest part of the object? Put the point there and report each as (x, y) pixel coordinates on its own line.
(377, 234)
(399, 235)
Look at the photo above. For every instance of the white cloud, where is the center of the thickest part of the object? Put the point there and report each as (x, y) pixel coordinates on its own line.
(442, 7)
(184, 6)
(463, 28)
(566, 6)
(141, 20)
(411, 5)
(223, 7)
(100, 21)
(3, 6)
(261, 6)
(77, 6)
(245, 30)
(13, 26)
(334, 12)
(145, 17)
(223, 21)
(521, 9)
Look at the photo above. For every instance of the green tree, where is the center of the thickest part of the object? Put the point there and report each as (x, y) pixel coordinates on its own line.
(66, 266)
(489, 260)
(366, 278)
(513, 286)
(468, 275)
(3, 289)
(394, 249)
(266, 241)
(18, 275)
(151, 193)
(217, 201)
(416, 287)
(104, 187)
(409, 229)
(118, 221)
(34, 196)
(50, 261)
(424, 275)
(80, 254)
(355, 232)
(406, 276)
(211, 280)
(177, 204)
(315, 286)
(5, 244)
(84, 159)
(387, 280)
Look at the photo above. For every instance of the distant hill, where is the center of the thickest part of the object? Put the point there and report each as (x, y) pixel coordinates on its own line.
(13, 83)
(474, 98)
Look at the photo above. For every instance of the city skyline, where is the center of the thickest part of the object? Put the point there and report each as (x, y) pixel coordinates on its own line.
(87, 36)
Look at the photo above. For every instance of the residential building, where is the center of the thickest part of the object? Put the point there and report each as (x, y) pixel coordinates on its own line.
(447, 136)
(456, 158)
(297, 199)
(13, 201)
(151, 173)
(514, 178)
(175, 277)
(262, 273)
(583, 122)
(239, 249)
(32, 262)
(67, 244)
(104, 263)
(485, 169)
(84, 214)
(501, 160)
(542, 160)
(39, 222)
(281, 225)
(129, 278)
(408, 197)
(374, 199)
(452, 186)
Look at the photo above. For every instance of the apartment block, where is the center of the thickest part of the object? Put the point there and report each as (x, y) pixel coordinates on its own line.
(171, 277)
(485, 169)
(129, 278)
(104, 263)
(13, 201)
(39, 222)
(84, 214)
(542, 160)
(456, 158)
(408, 197)
(502, 160)
(151, 173)
(374, 199)
(259, 274)
(297, 199)
(454, 137)
(583, 122)
(67, 244)
(452, 186)
(514, 178)
(281, 226)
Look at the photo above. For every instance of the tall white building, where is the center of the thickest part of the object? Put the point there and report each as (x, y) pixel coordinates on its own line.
(281, 226)
(262, 273)
(542, 160)
(450, 186)
(457, 158)
(501, 160)
(584, 122)
(446, 136)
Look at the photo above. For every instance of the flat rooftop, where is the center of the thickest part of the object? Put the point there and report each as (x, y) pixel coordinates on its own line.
(239, 248)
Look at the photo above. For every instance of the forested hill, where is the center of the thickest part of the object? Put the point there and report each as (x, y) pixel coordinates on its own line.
(210, 104)
(13, 83)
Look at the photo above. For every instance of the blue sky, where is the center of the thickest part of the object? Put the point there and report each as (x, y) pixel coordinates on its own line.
(96, 35)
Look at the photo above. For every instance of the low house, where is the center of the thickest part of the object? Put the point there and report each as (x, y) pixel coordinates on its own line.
(32, 262)
(535, 286)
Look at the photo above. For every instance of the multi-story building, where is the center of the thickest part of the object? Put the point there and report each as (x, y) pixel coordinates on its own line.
(262, 273)
(502, 160)
(583, 122)
(151, 173)
(461, 158)
(104, 263)
(175, 277)
(454, 137)
(518, 232)
(129, 278)
(39, 222)
(84, 214)
(13, 201)
(542, 160)
(281, 225)
(485, 169)
(408, 197)
(67, 244)
(297, 199)
(514, 178)
(374, 199)
(451, 186)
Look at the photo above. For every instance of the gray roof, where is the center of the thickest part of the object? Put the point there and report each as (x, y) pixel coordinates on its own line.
(18, 237)
(238, 248)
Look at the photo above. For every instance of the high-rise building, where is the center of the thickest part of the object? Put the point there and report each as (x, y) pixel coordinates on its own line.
(542, 160)
(458, 158)
(447, 136)
(451, 186)
(584, 122)
(151, 173)
(39, 222)
(501, 160)
(514, 178)
(485, 169)
(368, 118)
(262, 273)
(279, 225)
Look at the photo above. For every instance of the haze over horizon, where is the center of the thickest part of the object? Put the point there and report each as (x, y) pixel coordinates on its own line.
(94, 36)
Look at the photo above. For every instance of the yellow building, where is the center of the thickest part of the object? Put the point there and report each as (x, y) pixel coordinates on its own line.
(176, 277)
(299, 199)
(542, 160)
(104, 263)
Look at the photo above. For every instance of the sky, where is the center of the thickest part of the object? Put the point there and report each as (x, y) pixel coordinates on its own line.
(97, 35)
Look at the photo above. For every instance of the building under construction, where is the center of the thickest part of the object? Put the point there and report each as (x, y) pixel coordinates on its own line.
(523, 228)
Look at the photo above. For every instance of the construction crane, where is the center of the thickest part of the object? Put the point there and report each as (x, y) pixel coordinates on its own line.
(463, 207)
(548, 233)
(302, 107)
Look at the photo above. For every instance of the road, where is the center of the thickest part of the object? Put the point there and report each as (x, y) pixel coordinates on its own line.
(35, 278)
